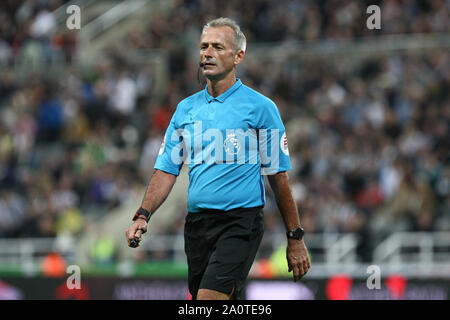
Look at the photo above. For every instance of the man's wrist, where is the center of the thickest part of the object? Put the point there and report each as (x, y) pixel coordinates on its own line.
(294, 242)
(296, 234)
(140, 217)
(141, 213)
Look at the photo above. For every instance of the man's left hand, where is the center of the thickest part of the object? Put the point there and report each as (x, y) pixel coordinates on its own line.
(297, 258)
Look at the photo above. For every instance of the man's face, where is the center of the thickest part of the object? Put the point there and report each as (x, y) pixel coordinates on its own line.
(216, 52)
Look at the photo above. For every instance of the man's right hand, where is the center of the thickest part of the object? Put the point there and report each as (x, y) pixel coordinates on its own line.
(135, 231)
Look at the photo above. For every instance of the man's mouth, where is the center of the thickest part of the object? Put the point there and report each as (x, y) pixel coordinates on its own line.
(205, 64)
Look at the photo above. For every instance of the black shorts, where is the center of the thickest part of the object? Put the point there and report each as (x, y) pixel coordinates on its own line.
(221, 247)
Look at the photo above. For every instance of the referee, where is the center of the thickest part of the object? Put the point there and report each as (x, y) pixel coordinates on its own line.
(230, 136)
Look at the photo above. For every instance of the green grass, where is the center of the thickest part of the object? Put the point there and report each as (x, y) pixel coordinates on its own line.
(148, 269)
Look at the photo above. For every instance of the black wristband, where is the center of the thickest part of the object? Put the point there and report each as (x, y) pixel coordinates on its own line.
(142, 211)
(296, 234)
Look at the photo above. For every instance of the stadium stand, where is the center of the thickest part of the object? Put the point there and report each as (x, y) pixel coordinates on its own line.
(368, 132)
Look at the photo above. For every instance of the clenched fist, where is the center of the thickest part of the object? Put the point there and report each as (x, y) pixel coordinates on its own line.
(135, 231)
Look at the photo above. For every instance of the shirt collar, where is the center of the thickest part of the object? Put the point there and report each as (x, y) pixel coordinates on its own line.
(224, 95)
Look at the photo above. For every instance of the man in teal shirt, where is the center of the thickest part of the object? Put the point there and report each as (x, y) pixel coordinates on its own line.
(235, 119)
(230, 136)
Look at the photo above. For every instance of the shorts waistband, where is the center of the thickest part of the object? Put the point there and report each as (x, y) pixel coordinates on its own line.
(236, 210)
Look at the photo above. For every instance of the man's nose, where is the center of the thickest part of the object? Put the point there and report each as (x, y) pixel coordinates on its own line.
(208, 53)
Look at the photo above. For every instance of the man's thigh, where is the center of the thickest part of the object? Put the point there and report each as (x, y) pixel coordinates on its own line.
(233, 256)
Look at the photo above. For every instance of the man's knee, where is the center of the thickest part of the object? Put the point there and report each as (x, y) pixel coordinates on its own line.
(208, 294)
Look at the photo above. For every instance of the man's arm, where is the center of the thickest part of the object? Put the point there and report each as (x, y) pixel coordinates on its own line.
(296, 252)
(158, 189)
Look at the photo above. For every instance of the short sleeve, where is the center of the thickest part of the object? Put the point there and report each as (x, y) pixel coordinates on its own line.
(170, 156)
(272, 139)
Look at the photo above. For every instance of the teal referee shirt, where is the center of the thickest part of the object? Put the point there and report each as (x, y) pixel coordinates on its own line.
(229, 143)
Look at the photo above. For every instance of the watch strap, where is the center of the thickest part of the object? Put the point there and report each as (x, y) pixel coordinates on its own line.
(142, 212)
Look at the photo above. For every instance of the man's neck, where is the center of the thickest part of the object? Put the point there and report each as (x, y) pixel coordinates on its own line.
(218, 86)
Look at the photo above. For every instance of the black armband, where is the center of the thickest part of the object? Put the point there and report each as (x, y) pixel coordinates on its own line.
(142, 212)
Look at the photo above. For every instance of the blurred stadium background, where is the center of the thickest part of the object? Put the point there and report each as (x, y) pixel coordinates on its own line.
(83, 113)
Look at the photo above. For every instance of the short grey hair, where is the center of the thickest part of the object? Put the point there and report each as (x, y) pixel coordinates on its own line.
(239, 40)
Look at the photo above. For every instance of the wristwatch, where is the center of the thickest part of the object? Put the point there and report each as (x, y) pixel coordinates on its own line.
(296, 234)
(142, 211)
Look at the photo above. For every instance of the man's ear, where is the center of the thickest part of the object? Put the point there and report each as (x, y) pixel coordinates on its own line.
(239, 57)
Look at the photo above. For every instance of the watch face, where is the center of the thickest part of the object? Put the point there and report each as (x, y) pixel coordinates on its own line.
(297, 233)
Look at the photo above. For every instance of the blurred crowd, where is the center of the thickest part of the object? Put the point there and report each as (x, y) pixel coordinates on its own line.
(29, 33)
(289, 20)
(370, 147)
(368, 140)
